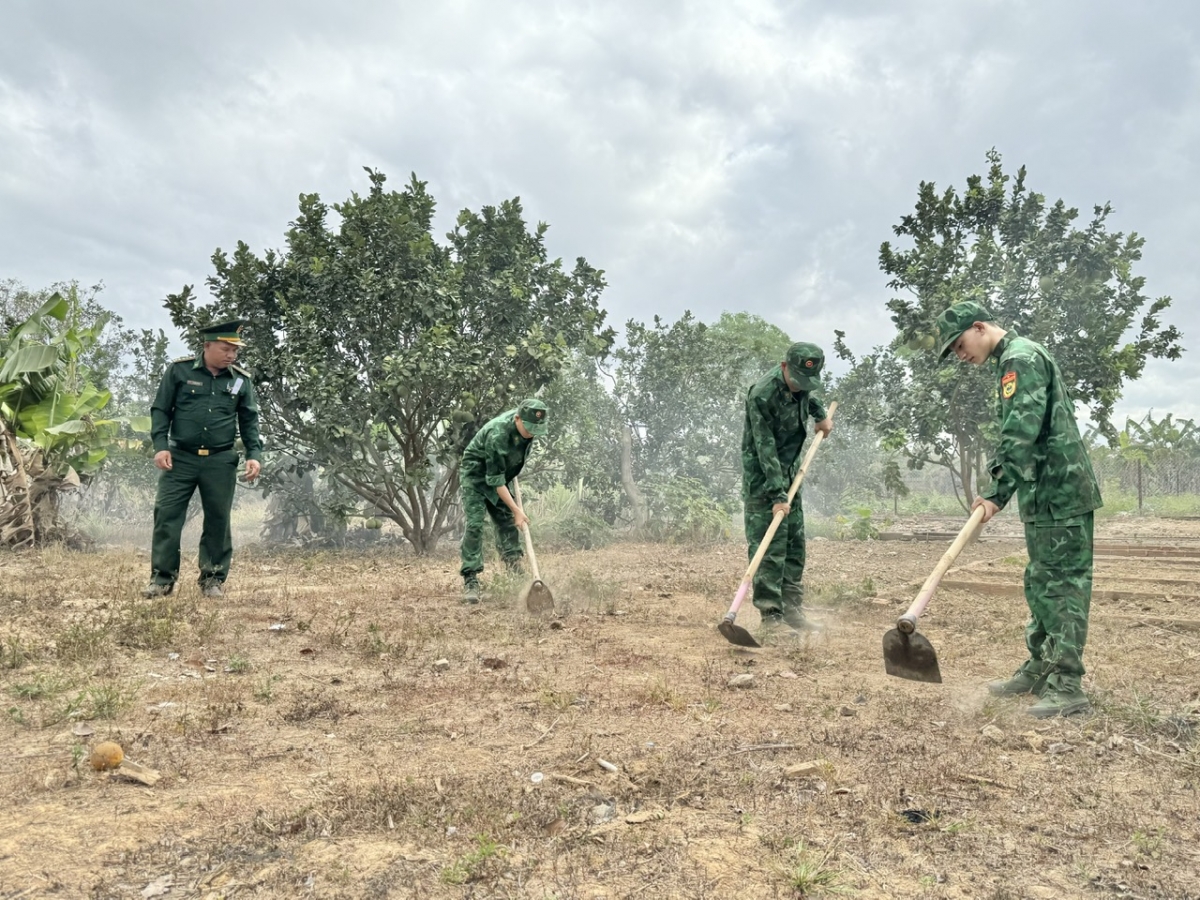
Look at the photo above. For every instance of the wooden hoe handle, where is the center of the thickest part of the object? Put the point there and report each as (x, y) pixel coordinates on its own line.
(525, 531)
(907, 623)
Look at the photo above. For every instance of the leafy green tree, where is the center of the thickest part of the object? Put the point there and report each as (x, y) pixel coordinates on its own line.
(378, 351)
(681, 390)
(583, 447)
(1071, 288)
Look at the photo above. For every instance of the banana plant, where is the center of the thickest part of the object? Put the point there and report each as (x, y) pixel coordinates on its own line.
(53, 434)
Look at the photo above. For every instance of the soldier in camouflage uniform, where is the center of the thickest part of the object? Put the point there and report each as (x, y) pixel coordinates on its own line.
(493, 458)
(777, 407)
(1043, 461)
(204, 402)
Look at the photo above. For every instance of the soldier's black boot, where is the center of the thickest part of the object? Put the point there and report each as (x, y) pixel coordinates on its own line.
(1024, 681)
(471, 590)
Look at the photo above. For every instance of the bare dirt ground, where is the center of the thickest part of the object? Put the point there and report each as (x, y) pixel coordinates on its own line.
(341, 726)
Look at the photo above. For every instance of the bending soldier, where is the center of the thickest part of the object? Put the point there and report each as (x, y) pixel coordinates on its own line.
(777, 408)
(493, 458)
(1042, 461)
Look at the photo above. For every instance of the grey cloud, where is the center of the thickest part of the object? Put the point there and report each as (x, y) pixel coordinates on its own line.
(745, 155)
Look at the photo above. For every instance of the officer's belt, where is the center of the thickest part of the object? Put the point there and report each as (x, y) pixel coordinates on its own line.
(202, 451)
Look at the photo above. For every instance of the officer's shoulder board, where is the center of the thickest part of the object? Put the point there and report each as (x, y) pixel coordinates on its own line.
(243, 372)
(191, 358)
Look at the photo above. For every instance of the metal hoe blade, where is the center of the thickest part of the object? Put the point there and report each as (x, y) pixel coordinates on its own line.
(736, 634)
(538, 597)
(910, 656)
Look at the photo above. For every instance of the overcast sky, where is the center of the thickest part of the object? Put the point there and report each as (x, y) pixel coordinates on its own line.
(728, 155)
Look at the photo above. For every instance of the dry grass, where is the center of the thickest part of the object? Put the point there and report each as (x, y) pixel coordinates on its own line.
(341, 726)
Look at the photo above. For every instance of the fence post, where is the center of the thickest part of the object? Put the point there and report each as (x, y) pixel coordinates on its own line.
(1139, 471)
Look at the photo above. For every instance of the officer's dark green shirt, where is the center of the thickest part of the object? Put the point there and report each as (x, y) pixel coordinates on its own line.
(495, 455)
(196, 410)
(772, 435)
(1040, 456)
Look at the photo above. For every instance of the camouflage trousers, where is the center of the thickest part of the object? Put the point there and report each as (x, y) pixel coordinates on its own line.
(1058, 589)
(477, 507)
(777, 584)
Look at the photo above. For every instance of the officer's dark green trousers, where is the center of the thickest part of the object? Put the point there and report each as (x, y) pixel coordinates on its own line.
(1058, 590)
(216, 478)
(477, 507)
(777, 583)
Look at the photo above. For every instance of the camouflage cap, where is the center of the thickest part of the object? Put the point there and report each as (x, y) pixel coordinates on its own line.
(804, 364)
(957, 319)
(534, 416)
(230, 332)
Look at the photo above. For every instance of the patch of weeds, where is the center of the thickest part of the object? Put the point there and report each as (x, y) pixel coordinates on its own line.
(340, 631)
(810, 875)
(839, 592)
(264, 691)
(1014, 561)
(1148, 844)
(859, 527)
(585, 590)
(78, 752)
(379, 805)
(956, 827)
(208, 627)
(14, 653)
(16, 716)
(477, 864)
(81, 643)
(1145, 717)
(237, 665)
(660, 692)
(315, 705)
(106, 701)
(375, 643)
(153, 623)
(42, 687)
(224, 703)
(560, 700)
(505, 586)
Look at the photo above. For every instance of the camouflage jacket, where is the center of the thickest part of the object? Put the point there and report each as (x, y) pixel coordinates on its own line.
(1040, 456)
(772, 436)
(197, 410)
(495, 455)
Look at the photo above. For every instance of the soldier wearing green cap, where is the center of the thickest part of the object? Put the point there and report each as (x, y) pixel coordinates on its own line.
(1042, 461)
(777, 409)
(493, 458)
(204, 402)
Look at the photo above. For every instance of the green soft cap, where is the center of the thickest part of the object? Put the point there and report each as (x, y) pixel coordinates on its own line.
(534, 416)
(804, 364)
(230, 332)
(957, 319)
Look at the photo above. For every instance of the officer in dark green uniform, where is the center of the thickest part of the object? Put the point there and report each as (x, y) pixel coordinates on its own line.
(1042, 461)
(203, 403)
(777, 408)
(491, 461)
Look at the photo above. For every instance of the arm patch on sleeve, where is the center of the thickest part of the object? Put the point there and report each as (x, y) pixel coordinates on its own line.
(1008, 385)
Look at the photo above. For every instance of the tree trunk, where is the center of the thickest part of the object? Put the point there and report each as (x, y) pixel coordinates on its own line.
(966, 473)
(17, 525)
(637, 502)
